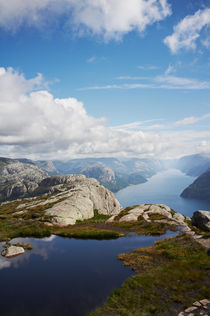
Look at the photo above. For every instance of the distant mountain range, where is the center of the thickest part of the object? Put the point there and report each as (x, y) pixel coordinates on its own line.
(113, 173)
(194, 165)
(21, 177)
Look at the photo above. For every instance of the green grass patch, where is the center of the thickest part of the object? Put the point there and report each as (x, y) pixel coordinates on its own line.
(145, 228)
(157, 216)
(169, 277)
(97, 218)
(85, 232)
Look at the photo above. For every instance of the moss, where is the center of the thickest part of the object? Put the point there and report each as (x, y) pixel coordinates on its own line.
(85, 232)
(156, 216)
(32, 223)
(26, 246)
(169, 277)
(97, 218)
(145, 228)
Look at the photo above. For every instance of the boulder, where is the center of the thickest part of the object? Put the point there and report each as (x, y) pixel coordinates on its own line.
(12, 251)
(84, 196)
(201, 219)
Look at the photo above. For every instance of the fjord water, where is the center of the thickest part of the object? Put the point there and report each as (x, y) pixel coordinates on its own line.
(62, 276)
(165, 187)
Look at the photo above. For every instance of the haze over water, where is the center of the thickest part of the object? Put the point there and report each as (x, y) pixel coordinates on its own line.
(164, 187)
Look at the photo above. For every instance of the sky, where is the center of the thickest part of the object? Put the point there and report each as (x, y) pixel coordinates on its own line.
(104, 78)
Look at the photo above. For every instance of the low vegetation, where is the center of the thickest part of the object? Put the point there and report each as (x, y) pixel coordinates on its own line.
(27, 221)
(198, 231)
(169, 277)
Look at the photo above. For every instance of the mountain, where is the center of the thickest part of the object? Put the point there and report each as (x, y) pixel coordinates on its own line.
(114, 174)
(45, 165)
(194, 165)
(200, 188)
(18, 179)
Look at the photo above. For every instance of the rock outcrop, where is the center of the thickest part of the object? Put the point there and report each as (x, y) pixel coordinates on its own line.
(148, 212)
(201, 307)
(201, 219)
(18, 179)
(84, 195)
(12, 251)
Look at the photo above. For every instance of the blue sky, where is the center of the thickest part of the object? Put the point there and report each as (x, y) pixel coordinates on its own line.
(104, 78)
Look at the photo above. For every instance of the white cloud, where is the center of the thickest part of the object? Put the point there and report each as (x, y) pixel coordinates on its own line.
(187, 32)
(192, 120)
(34, 124)
(206, 42)
(4, 263)
(170, 69)
(165, 81)
(109, 18)
(182, 83)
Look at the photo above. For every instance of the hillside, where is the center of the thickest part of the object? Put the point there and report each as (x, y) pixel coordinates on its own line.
(18, 179)
(200, 188)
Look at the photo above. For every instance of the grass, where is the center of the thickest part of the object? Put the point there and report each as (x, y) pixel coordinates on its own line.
(97, 218)
(32, 223)
(169, 277)
(156, 216)
(85, 232)
(198, 231)
(145, 228)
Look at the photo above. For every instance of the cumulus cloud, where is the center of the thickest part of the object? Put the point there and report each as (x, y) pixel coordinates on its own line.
(187, 31)
(109, 18)
(192, 119)
(36, 125)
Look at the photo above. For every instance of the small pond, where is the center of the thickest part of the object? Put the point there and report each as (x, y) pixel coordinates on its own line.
(62, 276)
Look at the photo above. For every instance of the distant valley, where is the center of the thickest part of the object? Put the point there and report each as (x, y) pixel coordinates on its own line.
(21, 177)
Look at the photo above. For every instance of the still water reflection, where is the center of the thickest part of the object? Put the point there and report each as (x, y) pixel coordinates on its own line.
(64, 276)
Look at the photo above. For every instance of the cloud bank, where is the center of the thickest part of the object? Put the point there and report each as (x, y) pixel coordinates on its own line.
(109, 18)
(36, 125)
(187, 31)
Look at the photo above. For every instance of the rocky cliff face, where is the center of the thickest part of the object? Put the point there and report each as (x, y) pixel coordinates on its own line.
(81, 196)
(17, 179)
(200, 188)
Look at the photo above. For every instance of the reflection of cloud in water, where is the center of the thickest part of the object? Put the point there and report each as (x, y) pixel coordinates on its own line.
(4, 263)
(48, 239)
(39, 248)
